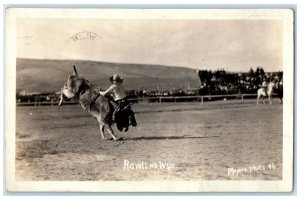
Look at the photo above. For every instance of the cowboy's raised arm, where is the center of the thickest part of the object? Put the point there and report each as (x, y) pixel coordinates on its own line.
(107, 92)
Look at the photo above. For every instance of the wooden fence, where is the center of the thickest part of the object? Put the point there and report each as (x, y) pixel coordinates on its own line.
(162, 99)
(199, 98)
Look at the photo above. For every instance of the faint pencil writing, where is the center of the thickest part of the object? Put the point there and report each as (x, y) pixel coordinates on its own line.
(85, 35)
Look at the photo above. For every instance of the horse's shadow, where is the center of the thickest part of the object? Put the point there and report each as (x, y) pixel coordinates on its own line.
(167, 137)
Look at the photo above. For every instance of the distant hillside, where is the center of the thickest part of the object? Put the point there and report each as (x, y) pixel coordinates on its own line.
(49, 75)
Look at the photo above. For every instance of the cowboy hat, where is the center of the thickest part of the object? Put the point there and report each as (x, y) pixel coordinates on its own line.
(117, 78)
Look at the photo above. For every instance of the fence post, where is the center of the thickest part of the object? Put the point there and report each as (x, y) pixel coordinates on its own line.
(202, 100)
(159, 100)
(242, 97)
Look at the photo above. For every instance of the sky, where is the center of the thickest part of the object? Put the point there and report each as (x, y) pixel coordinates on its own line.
(235, 45)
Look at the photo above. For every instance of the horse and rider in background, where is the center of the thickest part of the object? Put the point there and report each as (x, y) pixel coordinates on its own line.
(268, 88)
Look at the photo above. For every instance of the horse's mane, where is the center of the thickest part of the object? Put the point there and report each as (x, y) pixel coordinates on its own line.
(87, 95)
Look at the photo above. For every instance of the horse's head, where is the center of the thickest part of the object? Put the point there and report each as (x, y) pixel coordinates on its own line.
(271, 87)
(74, 85)
(272, 84)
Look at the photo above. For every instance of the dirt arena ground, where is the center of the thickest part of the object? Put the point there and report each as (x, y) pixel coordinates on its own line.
(230, 140)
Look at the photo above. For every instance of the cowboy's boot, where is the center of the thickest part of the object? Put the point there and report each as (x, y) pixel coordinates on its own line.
(132, 120)
(126, 129)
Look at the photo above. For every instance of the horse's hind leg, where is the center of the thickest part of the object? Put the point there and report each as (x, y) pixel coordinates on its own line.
(102, 131)
(111, 132)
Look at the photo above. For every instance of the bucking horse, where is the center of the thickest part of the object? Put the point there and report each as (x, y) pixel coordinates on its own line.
(100, 107)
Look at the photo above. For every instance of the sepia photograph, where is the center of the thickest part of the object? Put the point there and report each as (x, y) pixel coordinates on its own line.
(180, 100)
